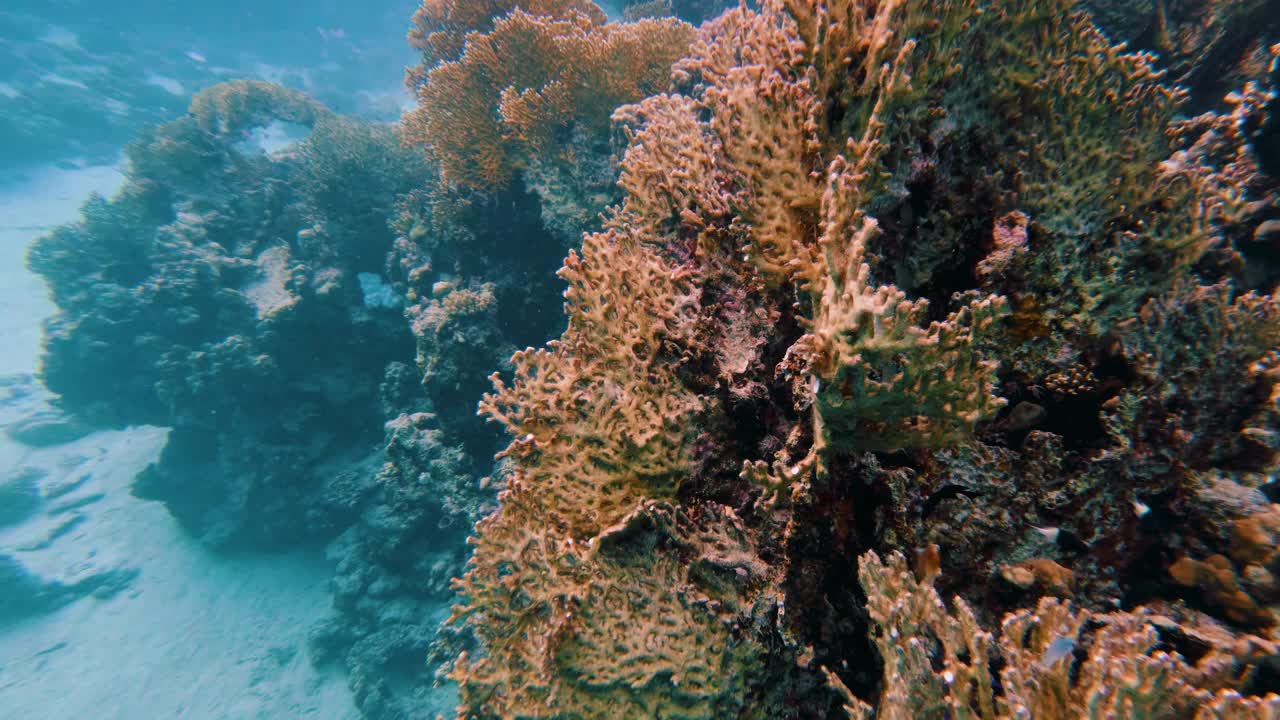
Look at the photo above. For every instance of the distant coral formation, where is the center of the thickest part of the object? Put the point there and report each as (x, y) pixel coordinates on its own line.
(217, 294)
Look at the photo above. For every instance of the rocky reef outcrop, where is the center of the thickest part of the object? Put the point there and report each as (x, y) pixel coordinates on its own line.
(245, 295)
(922, 363)
(239, 297)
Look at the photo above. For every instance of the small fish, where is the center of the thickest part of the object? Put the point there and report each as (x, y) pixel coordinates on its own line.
(1057, 650)
(1048, 533)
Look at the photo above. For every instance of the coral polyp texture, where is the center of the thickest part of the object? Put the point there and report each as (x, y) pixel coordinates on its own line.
(956, 281)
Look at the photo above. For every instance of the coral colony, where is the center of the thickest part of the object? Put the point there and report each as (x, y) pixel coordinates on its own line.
(918, 358)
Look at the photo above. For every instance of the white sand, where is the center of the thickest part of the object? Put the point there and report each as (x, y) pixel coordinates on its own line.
(50, 197)
(194, 635)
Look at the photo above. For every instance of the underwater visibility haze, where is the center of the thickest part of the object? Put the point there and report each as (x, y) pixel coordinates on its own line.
(674, 359)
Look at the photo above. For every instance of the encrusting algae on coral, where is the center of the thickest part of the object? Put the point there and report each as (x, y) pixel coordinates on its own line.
(948, 278)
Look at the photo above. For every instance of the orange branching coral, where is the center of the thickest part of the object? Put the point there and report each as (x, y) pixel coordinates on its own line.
(512, 93)
(618, 628)
(594, 73)
(1221, 141)
(1060, 662)
(1095, 132)
(599, 420)
(773, 206)
(882, 379)
(1104, 165)
(670, 173)
(440, 27)
(587, 604)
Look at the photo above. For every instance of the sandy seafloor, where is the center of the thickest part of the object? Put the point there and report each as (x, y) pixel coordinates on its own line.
(178, 632)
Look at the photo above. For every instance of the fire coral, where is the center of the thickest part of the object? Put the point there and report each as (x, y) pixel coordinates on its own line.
(499, 91)
(890, 277)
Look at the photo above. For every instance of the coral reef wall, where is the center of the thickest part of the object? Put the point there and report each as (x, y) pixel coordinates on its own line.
(952, 281)
(477, 279)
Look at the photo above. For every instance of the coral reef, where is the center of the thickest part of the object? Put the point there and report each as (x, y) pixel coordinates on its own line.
(469, 301)
(392, 570)
(1058, 661)
(951, 279)
(219, 294)
(440, 27)
(254, 302)
(268, 305)
(531, 91)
